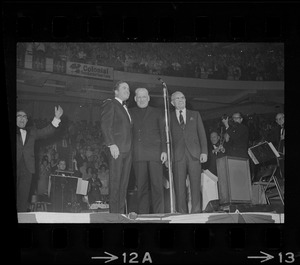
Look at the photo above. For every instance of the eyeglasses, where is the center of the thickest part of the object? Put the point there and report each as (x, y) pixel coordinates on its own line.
(235, 118)
(21, 116)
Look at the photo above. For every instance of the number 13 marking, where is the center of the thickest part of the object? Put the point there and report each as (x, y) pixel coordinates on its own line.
(290, 257)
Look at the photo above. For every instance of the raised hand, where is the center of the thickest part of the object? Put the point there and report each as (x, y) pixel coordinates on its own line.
(58, 112)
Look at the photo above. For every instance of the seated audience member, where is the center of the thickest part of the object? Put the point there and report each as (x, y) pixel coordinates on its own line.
(61, 167)
(102, 160)
(88, 152)
(94, 193)
(54, 160)
(216, 149)
(77, 200)
(83, 170)
(89, 173)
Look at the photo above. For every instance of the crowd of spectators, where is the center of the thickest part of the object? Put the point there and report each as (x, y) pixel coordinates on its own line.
(221, 61)
(260, 126)
(79, 144)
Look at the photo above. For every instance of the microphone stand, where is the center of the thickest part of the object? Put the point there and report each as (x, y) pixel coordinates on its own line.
(169, 161)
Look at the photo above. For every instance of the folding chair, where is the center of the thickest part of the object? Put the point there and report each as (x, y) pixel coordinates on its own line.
(270, 184)
(264, 152)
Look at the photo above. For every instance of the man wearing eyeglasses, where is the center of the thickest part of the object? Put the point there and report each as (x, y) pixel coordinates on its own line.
(26, 138)
(237, 137)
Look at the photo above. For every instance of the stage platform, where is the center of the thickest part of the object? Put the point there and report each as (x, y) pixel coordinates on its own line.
(105, 217)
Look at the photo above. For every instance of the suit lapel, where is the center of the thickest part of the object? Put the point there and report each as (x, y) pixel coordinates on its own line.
(26, 137)
(188, 117)
(176, 120)
(19, 137)
(119, 105)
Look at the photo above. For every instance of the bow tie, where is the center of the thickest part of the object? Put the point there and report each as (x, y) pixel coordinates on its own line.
(124, 103)
(19, 130)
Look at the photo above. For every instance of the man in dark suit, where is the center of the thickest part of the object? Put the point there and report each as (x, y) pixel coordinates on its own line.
(278, 133)
(25, 154)
(216, 149)
(277, 139)
(189, 150)
(116, 128)
(149, 152)
(237, 137)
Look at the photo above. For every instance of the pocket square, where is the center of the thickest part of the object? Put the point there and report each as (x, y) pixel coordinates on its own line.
(191, 119)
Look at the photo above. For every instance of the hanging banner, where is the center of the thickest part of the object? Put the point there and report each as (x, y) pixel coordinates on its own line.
(89, 70)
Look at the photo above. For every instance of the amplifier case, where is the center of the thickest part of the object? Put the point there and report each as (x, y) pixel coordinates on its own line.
(234, 180)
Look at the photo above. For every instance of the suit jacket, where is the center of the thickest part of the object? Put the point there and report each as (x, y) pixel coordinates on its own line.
(115, 125)
(212, 157)
(274, 137)
(238, 140)
(149, 135)
(27, 150)
(193, 136)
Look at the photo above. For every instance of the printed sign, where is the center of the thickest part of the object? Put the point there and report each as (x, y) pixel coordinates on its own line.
(95, 71)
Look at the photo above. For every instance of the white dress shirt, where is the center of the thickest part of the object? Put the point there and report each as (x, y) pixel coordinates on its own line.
(23, 135)
(125, 107)
(183, 113)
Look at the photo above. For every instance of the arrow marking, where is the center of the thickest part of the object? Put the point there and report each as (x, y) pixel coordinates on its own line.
(109, 259)
(266, 257)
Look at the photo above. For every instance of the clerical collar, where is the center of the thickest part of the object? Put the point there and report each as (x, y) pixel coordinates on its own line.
(143, 109)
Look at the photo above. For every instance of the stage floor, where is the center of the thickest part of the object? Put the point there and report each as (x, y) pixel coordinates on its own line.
(105, 217)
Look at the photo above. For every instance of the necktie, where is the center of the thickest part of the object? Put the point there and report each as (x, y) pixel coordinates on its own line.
(282, 132)
(181, 121)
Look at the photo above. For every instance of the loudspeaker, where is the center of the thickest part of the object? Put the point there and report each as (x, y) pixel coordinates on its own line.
(234, 180)
(63, 193)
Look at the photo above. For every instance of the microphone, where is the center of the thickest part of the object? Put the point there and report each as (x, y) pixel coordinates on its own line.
(162, 81)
